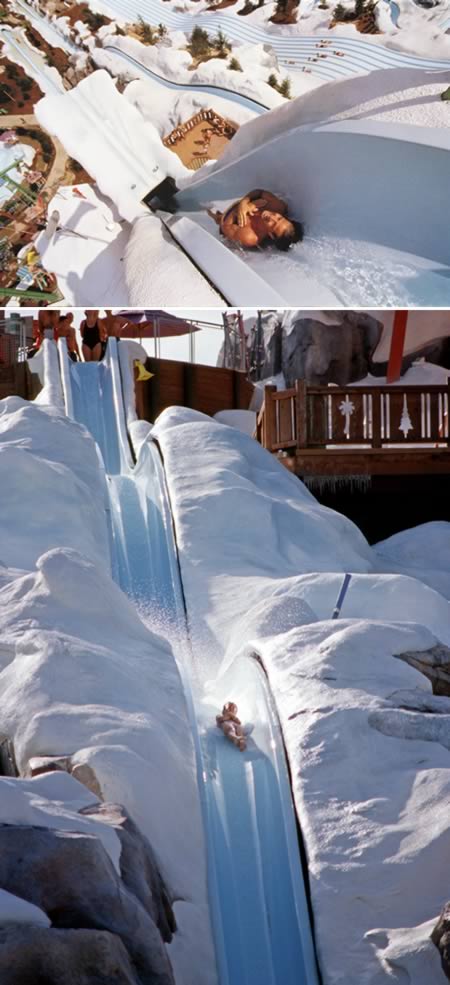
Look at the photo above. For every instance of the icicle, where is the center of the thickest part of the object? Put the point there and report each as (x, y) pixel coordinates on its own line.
(319, 484)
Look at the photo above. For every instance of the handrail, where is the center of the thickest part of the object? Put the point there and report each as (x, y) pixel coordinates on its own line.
(65, 376)
(311, 416)
(112, 361)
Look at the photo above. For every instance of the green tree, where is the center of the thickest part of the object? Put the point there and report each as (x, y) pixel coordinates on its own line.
(272, 81)
(339, 12)
(280, 7)
(146, 31)
(222, 44)
(199, 43)
(360, 7)
(162, 31)
(234, 65)
(94, 21)
(285, 88)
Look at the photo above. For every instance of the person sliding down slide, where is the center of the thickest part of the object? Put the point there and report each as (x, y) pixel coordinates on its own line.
(231, 725)
(259, 219)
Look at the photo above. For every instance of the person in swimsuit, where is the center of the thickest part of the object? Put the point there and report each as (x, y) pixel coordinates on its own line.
(48, 325)
(92, 334)
(258, 219)
(112, 327)
(67, 331)
(231, 725)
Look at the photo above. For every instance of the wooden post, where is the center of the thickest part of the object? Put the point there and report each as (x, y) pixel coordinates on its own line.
(189, 385)
(448, 412)
(269, 431)
(397, 346)
(301, 416)
(235, 384)
(152, 390)
(376, 417)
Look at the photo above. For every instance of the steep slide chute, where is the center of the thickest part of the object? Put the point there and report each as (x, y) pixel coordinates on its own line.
(257, 894)
(363, 243)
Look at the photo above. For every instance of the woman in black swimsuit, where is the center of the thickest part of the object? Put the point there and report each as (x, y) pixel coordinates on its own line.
(91, 333)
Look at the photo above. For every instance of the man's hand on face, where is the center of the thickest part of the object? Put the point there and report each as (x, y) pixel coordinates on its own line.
(244, 211)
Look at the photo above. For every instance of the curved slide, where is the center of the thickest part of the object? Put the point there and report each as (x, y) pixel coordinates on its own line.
(229, 94)
(293, 51)
(257, 896)
(370, 196)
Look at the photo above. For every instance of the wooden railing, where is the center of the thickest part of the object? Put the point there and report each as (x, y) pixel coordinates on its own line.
(371, 416)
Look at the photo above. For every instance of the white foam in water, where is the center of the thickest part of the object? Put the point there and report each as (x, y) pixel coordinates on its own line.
(359, 272)
(326, 269)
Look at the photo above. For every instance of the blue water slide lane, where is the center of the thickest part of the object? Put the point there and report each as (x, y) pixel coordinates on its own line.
(257, 894)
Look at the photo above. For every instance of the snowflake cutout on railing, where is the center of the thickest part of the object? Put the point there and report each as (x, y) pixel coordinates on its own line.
(406, 424)
(346, 408)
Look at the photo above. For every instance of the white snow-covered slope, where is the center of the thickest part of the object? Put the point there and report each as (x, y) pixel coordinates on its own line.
(262, 566)
(80, 672)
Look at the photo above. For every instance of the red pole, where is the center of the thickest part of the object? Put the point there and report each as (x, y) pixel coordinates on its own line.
(397, 346)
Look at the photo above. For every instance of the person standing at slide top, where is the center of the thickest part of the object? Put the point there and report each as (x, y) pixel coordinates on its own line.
(66, 331)
(92, 334)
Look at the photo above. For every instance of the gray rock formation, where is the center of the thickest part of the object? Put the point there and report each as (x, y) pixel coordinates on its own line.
(68, 764)
(434, 664)
(329, 347)
(70, 876)
(335, 350)
(138, 866)
(36, 956)
(441, 937)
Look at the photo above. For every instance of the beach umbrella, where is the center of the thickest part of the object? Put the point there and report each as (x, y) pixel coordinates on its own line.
(150, 324)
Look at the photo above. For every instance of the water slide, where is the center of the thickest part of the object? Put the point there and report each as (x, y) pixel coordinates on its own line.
(370, 197)
(351, 182)
(369, 193)
(257, 894)
(292, 50)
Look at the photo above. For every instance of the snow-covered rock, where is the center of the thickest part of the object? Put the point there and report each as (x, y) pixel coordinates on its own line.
(423, 551)
(366, 738)
(83, 678)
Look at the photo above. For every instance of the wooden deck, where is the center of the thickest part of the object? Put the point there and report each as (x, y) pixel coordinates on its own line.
(358, 431)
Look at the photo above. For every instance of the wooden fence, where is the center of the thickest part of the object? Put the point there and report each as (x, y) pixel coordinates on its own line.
(308, 417)
(205, 388)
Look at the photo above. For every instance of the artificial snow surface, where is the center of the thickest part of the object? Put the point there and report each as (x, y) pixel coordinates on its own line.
(82, 675)
(109, 137)
(156, 269)
(366, 739)
(262, 564)
(86, 255)
(243, 420)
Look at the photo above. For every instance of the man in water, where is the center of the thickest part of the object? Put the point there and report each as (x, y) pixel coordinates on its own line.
(258, 219)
